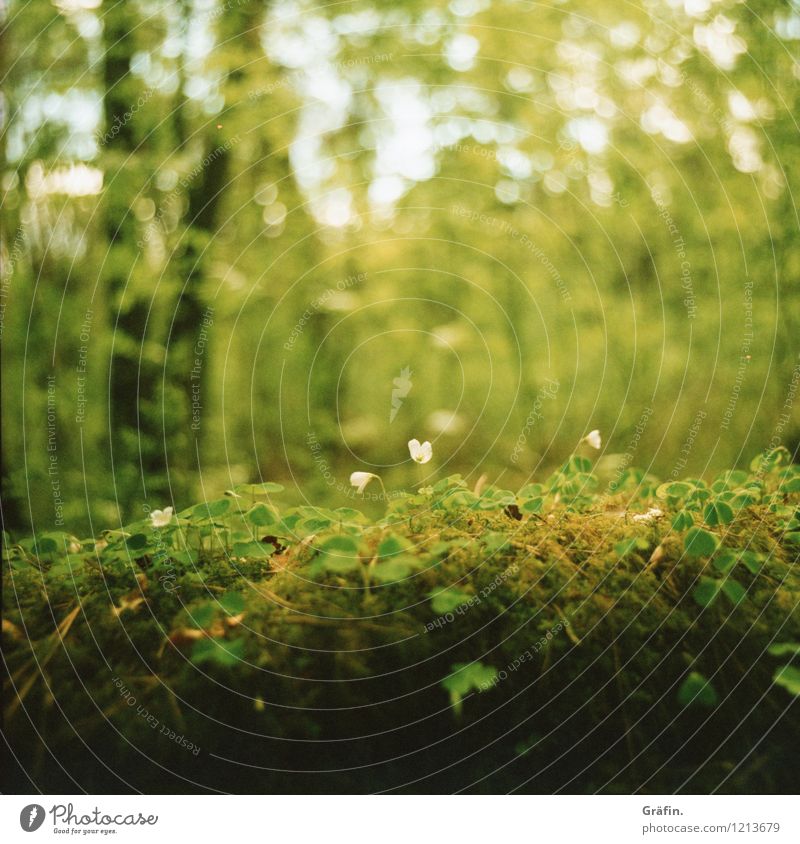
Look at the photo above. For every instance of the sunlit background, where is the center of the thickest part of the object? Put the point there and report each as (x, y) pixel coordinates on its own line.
(251, 240)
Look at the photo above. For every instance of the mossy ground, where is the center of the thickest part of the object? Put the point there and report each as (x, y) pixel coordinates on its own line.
(461, 647)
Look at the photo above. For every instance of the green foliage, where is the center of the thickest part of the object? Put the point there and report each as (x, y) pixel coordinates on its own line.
(708, 589)
(350, 597)
(466, 678)
(337, 554)
(223, 653)
(394, 569)
(262, 515)
(785, 649)
(682, 520)
(255, 550)
(789, 678)
(700, 543)
(207, 214)
(391, 545)
(446, 600)
(727, 559)
(628, 546)
(696, 690)
(718, 513)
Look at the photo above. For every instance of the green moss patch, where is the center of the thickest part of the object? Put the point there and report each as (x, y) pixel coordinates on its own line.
(551, 639)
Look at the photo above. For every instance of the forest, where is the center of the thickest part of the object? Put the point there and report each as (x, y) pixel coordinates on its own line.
(324, 322)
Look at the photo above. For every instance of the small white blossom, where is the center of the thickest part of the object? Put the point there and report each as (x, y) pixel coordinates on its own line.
(360, 479)
(649, 516)
(593, 439)
(161, 518)
(420, 453)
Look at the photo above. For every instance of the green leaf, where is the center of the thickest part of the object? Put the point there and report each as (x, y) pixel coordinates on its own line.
(137, 542)
(699, 495)
(262, 515)
(349, 514)
(627, 546)
(725, 561)
(202, 616)
(465, 678)
(682, 520)
(743, 498)
(495, 499)
(267, 488)
(718, 513)
(338, 554)
(253, 550)
(577, 464)
(232, 603)
(390, 571)
(454, 499)
(700, 543)
(784, 649)
(187, 557)
(446, 600)
(674, 490)
(60, 570)
(339, 544)
(696, 690)
(337, 564)
(138, 546)
(751, 560)
(211, 509)
(495, 541)
(790, 486)
(770, 460)
(313, 524)
(706, 591)
(789, 678)
(733, 477)
(532, 505)
(46, 545)
(734, 590)
(531, 491)
(450, 482)
(391, 545)
(220, 652)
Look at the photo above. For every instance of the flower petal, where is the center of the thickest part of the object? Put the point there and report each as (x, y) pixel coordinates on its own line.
(593, 439)
(426, 452)
(361, 479)
(161, 518)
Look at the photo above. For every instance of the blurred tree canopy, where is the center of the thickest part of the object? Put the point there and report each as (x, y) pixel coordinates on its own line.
(236, 232)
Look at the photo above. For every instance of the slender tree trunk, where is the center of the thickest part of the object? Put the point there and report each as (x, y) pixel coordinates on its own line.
(133, 377)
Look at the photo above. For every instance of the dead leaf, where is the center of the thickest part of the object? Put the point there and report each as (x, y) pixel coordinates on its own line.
(11, 629)
(130, 602)
(234, 620)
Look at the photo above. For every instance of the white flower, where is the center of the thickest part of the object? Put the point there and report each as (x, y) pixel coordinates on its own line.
(361, 479)
(652, 513)
(420, 453)
(593, 439)
(161, 518)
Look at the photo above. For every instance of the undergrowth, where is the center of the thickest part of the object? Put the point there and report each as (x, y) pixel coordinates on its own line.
(553, 639)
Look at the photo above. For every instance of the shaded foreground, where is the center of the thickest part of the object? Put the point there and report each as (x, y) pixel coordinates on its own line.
(549, 640)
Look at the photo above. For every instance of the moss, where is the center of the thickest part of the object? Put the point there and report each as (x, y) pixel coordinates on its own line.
(317, 680)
